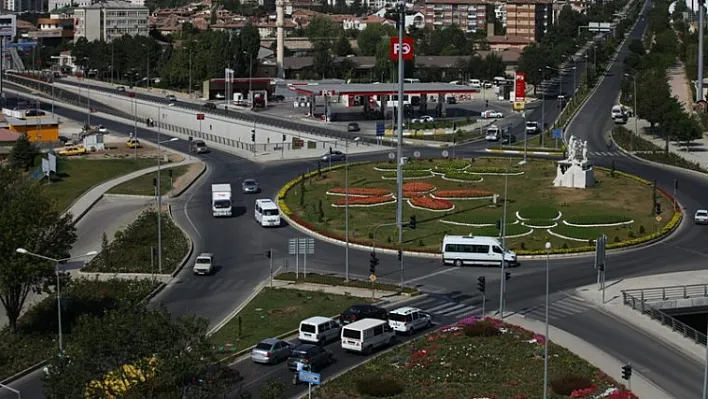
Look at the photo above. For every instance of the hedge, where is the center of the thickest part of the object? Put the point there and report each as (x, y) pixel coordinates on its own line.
(408, 173)
(483, 169)
(581, 233)
(538, 212)
(455, 164)
(630, 141)
(597, 219)
(457, 175)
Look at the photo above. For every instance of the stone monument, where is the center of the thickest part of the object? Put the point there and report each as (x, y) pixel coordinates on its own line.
(575, 171)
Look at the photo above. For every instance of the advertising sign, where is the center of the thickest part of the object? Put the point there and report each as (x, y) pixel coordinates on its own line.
(406, 48)
(520, 87)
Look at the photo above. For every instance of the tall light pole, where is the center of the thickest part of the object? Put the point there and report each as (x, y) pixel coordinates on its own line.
(135, 124)
(56, 271)
(401, 9)
(543, 105)
(159, 191)
(250, 78)
(502, 280)
(545, 340)
(148, 67)
(699, 91)
(112, 60)
(346, 207)
(190, 72)
(634, 112)
(88, 95)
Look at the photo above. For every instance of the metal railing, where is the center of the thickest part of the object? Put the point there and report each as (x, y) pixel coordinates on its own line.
(670, 292)
(665, 319)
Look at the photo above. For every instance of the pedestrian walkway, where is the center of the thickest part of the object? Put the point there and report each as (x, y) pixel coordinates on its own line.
(606, 154)
(560, 305)
(680, 86)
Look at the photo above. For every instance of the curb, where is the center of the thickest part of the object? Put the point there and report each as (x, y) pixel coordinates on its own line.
(189, 185)
(23, 373)
(238, 309)
(190, 252)
(123, 276)
(129, 196)
(83, 213)
(495, 151)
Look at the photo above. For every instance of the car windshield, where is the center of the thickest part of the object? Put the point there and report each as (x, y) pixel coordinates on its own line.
(397, 317)
(300, 355)
(263, 346)
(220, 204)
(249, 183)
(203, 260)
(353, 310)
(701, 213)
(270, 212)
(201, 145)
(530, 124)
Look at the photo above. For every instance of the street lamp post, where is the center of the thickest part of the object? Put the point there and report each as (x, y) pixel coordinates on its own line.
(52, 98)
(545, 340)
(401, 9)
(250, 78)
(190, 72)
(56, 271)
(502, 282)
(159, 191)
(346, 207)
(88, 96)
(147, 83)
(543, 106)
(634, 112)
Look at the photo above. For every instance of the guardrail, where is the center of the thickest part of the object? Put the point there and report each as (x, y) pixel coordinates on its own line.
(670, 292)
(272, 121)
(665, 319)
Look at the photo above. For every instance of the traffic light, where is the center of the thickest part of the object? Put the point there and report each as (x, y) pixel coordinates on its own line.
(269, 253)
(486, 103)
(400, 255)
(412, 222)
(154, 181)
(507, 276)
(601, 267)
(658, 208)
(481, 283)
(373, 262)
(285, 138)
(626, 372)
(253, 135)
(675, 184)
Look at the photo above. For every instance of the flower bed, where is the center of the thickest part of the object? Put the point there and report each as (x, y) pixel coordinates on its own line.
(472, 359)
(391, 166)
(418, 187)
(598, 219)
(540, 223)
(431, 204)
(462, 176)
(364, 201)
(490, 170)
(538, 212)
(360, 192)
(408, 174)
(462, 194)
(411, 194)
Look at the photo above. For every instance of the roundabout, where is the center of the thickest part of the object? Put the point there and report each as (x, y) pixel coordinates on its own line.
(466, 197)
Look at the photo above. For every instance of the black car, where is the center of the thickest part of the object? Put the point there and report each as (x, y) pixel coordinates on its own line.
(508, 138)
(209, 105)
(363, 311)
(313, 357)
(334, 156)
(34, 112)
(353, 127)
(451, 100)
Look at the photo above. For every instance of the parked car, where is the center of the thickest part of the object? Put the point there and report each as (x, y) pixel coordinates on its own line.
(353, 127)
(451, 100)
(271, 351)
(508, 138)
(219, 96)
(334, 156)
(408, 320)
(72, 150)
(209, 105)
(102, 129)
(133, 143)
(701, 216)
(34, 112)
(362, 311)
(250, 186)
(171, 97)
(314, 357)
(491, 114)
(424, 119)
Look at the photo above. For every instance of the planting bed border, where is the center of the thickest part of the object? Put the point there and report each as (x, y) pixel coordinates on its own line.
(598, 224)
(481, 179)
(475, 224)
(428, 209)
(550, 226)
(409, 177)
(555, 219)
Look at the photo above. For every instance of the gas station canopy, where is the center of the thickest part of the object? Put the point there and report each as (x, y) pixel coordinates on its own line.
(372, 89)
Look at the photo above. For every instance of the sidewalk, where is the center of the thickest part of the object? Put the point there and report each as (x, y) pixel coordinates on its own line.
(680, 86)
(696, 152)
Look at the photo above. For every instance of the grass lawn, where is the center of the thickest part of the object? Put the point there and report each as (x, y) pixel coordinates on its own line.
(487, 359)
(545, 141)
(276, 311)
(143, 185)
(532, 194)
(76, 176)
(130, 251)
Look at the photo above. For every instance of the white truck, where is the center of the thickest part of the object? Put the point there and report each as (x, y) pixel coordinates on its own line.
(221, 199)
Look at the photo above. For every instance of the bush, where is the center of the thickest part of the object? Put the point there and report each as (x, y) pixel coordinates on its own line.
(482, 169)
(455, 164)
(626, 139)
(272, 389)
(671, 159)
(566, 384)
(597, 219)
(458, 175)
(482, 328)
(538, 212)
(379, 386)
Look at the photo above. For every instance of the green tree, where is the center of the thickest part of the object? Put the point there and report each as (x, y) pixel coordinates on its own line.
(533, 62)
(494, 66)
(322, 60)
(23, 154)
(671, 115)
(370, 38)
(173, 354)
(250, 44)
(688, 129)
(652, 93)
(342, 47)
(449, 41)
(30, 220)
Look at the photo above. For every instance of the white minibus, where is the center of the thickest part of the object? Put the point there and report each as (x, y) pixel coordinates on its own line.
(365, 335)
(267, 213)
(475, 250)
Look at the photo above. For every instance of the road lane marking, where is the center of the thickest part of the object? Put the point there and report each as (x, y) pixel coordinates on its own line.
(443, 271)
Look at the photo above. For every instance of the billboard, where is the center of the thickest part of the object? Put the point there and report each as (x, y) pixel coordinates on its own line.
(407, 48)
(520, 87)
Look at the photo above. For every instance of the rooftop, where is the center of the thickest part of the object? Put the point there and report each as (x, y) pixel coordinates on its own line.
(379, 88)
(114, 4)
(7, 136)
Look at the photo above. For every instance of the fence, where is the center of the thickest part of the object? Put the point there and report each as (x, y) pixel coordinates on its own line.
(671, 292)
(264, 120)
(665, 319)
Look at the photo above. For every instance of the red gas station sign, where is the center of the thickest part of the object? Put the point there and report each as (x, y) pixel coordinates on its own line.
(520, 87)
(406, 48)
(200, 117)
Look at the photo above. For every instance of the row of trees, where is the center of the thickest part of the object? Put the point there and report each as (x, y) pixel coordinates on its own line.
(647, 69)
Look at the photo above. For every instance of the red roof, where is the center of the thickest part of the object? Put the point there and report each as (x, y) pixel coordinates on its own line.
(7, 135)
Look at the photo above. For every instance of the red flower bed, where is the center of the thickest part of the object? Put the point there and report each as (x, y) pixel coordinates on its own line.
(364, 200)
(431, 203)
(418, 187)
(362, 192)
(411, 194)
(463, 193)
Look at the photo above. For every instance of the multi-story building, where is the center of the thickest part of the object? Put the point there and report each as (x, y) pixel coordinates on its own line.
(110, 20)
(53, 28)
(528, 20)
(469, 15)
(8, 27)
(59, 4)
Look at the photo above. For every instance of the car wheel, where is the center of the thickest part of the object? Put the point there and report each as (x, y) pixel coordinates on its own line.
(411, 331)
(368, 350)
(458, 263)
(428, 324)
(321, 342)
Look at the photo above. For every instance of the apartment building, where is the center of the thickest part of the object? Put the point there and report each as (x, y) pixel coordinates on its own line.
(53, 28)
(110, 20)
(8, 27)
(469, 15)
(59, 4)
(528, 20)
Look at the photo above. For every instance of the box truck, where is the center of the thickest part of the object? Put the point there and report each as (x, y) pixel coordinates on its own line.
(221, 199)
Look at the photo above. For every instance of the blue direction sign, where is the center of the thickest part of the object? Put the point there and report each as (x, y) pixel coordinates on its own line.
(557, 133)
(380, 129)
(309, 377)
(22, 45)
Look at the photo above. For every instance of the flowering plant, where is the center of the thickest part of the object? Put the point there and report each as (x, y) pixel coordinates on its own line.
(364, 200)
(463, 194)
(431, 203)
(362, 192)
(418, 187)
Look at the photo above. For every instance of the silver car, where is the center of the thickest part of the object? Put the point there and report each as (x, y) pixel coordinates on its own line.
(249, 186)
(271, 351)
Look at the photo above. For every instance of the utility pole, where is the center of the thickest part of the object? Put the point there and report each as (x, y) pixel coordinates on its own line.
(401, 8)
(701, 17)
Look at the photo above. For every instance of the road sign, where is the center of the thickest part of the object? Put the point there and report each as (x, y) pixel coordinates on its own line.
(391, 156)
(416, 154)
(380, 129)
(309, 377)
(557, 133)
(519, 105)
(658, 218)
(21, 45)
(292, 246)
(445, 153)
(372, 277)
(306, 246)
(200, 117)
(406, 48)
(600, 244)
(52, 157)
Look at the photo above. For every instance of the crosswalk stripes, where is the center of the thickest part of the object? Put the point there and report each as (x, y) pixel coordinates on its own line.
(606, 154)
(558, 308)
(452, 308)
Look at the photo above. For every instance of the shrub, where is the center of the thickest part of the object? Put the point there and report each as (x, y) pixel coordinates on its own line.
(272, 389)
(597, 219)
(488, 169)
(453, 164)
(566, 384)
(379, 386)
(458, 175)
(482, 328)
(385, 166)
(642, 230)
(408, 174)
(538, 212)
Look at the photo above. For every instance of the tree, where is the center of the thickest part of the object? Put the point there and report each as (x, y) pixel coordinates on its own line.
(533, 62)
(688, 129)
(494, 66)
(250, 44)
(652, 93)
(370, 38)
(342, 47)
(670, 116)
(29, 220)
(23, 154)
(173, 357)
(322, 62)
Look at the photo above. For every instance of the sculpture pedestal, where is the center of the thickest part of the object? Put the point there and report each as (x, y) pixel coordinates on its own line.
(574, 174)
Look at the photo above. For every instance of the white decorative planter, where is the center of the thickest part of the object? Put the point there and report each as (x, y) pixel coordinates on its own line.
(410, 177)
(598, 225)
(393, 201)
(496, 174)
(566, 238)
(473, 224)
(357, 195)
(481, 179)
(550, 226)
(461, 198)
(560, 215)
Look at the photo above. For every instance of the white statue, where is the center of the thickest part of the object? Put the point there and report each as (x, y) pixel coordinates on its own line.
(571, 148)
(585, 150)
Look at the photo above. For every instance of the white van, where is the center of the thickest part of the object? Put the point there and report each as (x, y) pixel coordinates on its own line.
(619, 113)
(319, 330)
(365, 335)
(471, 250)
(475, 83)
(267, 213)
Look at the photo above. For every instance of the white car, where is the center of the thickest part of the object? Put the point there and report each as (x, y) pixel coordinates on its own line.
(532, 127)
(102, 129)
(408, 320)
(219, 96)
(204, 265)
(701, 216)
(491, 114)
(424, 119)
(493, 133)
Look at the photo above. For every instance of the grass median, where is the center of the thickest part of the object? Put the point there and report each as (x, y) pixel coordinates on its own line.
(325, 279)
(143, 185)
(275, 311)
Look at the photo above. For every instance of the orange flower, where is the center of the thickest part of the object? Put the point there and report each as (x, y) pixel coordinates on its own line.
(364, 200)
(363, 192)
(431, 203)
(418, 187)
(463, 193)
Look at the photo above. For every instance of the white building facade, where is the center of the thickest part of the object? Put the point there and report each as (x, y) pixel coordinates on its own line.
(110, 20)
(8, 27)
(58, 4)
